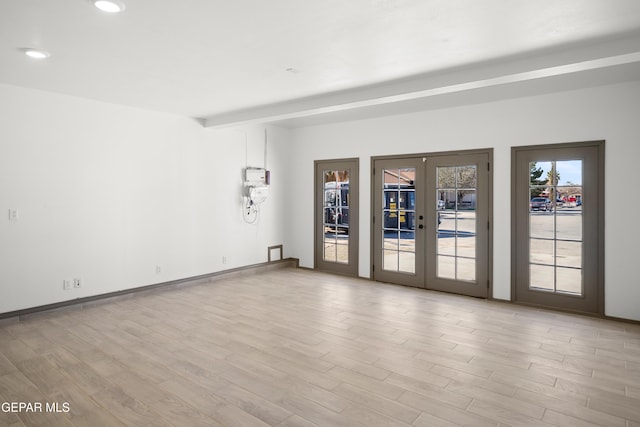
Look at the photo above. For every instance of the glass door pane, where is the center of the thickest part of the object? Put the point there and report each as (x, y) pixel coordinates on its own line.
(398, 223)
(336, 216)
(399, 215)
(456, 195)
(555, 227)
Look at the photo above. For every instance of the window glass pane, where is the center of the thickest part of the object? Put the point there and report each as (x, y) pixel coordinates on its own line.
(467, 176)
(446, 243)
(448, 198)
(330, 252)
(541, 277)
(541, 225)
(342, 250)
(539, 200)
(441, 202)
(466, 245)
(342, 217)
(390, 219)
(330, 197)
(390, 240)
(466, 222)
(466, 199)
(407, 220)
(542, 251)
(539, 174)
(391, 176)
(390, 199)
(569, 224)
(406, 178)
(408, 241)
(569, 254)
(447, 222)
(407, 262)
(329, 216)
(446, 177)
(569, 172)
(569, 280)
(390, 260)
(446, 267)
(407, 200)
(466, 269)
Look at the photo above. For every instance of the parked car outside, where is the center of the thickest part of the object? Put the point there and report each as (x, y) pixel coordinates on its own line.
(540, 204)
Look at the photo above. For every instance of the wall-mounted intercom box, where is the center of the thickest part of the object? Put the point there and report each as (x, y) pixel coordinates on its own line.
(255, 176)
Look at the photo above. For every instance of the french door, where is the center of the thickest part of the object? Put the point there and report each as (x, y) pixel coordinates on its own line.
(557, 226)
(336, 216)
(431, 222)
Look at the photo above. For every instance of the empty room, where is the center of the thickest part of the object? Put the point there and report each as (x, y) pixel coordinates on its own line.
(319, 213)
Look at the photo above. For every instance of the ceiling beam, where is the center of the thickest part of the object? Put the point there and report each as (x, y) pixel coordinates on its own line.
(589, 66)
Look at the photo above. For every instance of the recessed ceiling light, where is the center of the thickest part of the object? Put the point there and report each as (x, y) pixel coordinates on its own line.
(36, 53)
(111, 6)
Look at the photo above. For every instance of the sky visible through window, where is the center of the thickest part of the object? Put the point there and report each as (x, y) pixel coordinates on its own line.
(570, 171)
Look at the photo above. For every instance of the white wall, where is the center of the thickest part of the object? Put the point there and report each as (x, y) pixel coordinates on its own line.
(611, 113)
(106, 193)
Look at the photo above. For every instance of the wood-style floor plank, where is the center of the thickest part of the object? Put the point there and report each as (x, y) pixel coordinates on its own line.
(297, 348)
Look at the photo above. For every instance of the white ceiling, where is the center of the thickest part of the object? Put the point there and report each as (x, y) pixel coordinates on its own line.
(227, 61)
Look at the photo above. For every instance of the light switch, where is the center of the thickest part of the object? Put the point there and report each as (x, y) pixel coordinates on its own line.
(13, 214)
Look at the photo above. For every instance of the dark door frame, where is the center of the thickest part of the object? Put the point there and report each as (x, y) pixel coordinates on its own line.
(515, 224)
(350, 268)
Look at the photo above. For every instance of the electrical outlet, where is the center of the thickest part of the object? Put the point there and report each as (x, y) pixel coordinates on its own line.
(158, 269)
(224, 259)
(66, 284)
(76, 283)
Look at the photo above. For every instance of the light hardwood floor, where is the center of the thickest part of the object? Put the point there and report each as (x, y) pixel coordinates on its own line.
(292, 347)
